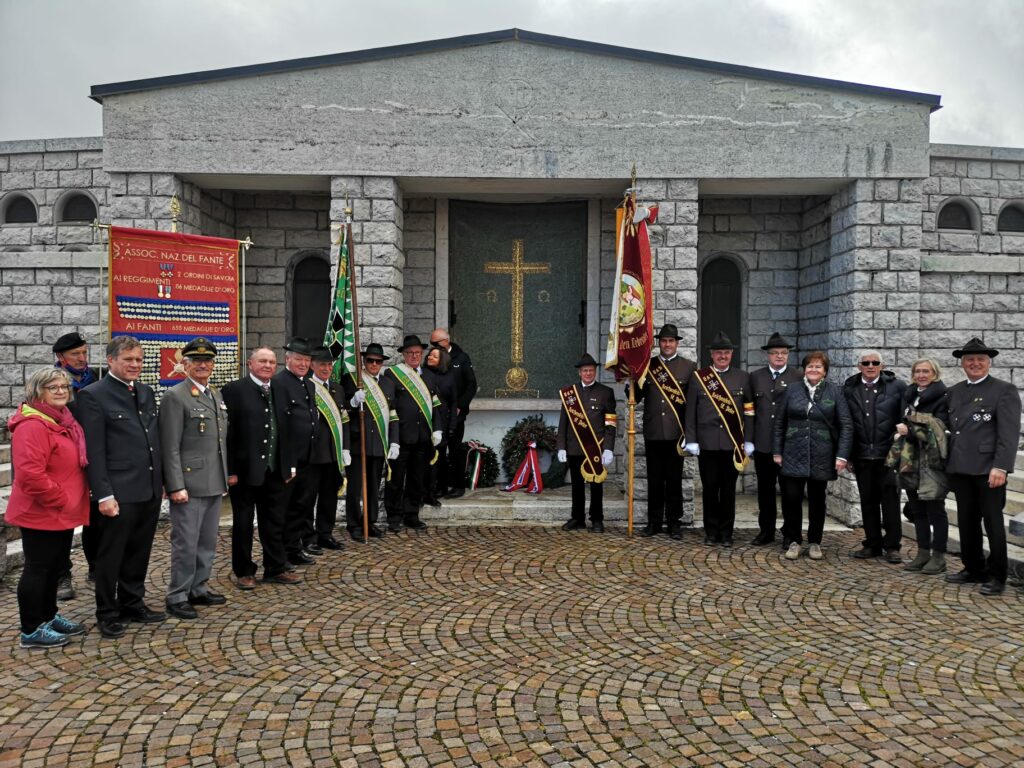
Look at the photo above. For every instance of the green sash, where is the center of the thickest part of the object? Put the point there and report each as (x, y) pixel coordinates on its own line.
(417, 389)
(377, 404)
(334, 417)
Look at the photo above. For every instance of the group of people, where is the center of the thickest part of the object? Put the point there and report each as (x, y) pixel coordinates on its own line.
(802, 429)
(98, 452)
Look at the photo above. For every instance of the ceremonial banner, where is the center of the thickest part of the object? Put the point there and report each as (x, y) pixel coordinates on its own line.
(340, 337)
(167, 288)
(631, 332)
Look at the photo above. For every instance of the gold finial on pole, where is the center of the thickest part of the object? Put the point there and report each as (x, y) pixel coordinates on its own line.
(175, 212)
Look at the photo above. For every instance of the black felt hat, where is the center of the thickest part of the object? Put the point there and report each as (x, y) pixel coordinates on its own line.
(721, 341)
(299, 346)
(975, 347)
(586, 360)
(412, 340)
(72, 340)
(776, 341)
(322, 354)
(668, 331)
(375, 350)
(199, 348)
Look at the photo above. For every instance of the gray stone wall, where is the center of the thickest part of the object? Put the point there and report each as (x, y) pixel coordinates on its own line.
(814, 275)
(420, 271)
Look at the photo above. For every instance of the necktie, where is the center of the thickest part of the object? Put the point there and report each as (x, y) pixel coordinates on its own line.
(775, 375)
(266, 390)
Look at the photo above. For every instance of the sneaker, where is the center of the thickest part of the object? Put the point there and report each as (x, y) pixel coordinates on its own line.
(814, 552)
(65, 627)
(65, 588)
(44, 637)
(793, 552)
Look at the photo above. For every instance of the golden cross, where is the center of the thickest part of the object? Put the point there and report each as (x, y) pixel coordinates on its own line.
(517, 268)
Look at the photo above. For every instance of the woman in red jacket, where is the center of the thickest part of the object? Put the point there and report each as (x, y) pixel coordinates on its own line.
(49, 499)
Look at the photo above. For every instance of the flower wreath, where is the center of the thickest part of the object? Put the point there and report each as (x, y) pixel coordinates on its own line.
(513, 448)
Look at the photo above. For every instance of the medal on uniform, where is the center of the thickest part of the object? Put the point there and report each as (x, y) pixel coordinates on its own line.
(202, 426)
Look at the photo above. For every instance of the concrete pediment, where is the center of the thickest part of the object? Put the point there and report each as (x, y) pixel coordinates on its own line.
(513, 105)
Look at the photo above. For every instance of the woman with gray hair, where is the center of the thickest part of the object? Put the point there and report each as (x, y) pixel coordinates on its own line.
(50, 498)
(921, 456)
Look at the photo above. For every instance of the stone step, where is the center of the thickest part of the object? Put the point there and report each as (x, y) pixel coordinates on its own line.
(1018, 463)
(6, 475)
(5, 453)
(1012, 535)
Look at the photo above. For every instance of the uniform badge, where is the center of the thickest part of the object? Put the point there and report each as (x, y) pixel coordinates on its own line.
(976, 416)
(987, 417)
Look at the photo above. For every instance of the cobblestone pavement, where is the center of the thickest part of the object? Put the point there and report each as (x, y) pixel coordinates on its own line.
(529, 646)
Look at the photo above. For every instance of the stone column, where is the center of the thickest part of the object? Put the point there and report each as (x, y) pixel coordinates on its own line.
(875, 288)
(377, 224)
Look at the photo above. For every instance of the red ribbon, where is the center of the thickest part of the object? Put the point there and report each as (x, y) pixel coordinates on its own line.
(528, 475)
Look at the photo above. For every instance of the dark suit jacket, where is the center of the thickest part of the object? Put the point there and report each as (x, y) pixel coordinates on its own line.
(659, 417)
(122, 439)
(768, 396)
(412, 427)
(703, 424)
(597, 400)
(250, 420)
(984, 427)
(374, 444)
(297, 417)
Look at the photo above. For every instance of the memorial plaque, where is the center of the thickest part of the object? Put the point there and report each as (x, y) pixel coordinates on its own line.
(517, 283)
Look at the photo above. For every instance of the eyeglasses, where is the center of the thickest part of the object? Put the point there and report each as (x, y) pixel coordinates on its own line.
(374, 362)
(57, 388)
(870, 362)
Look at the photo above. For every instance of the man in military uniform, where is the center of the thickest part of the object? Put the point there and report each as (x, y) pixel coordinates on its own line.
(664, 397)
(719, 425)
(465, 382)
(297, 421)
(413, 397)
(769, 387)
(193, 435)
(984, 427)
(379, 443)
(255, 463)
(325, 472)
(586, 440)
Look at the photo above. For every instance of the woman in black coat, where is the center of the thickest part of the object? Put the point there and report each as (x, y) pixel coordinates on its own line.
(439, 363)
(927, 395)
(812, 438)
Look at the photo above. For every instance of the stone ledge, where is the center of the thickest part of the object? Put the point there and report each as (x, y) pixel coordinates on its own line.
(959, 262)
(23, 146)
(973, 152)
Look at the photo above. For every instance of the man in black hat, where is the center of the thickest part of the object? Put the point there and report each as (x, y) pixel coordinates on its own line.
(875, 397)
(71, 352)
(719, 426)
(769, 387)
(984, 428)
(297, 419)
(193, 438)
(414, 398)
(664, 398)
(465, 381)
(324, 471)
(586, 439)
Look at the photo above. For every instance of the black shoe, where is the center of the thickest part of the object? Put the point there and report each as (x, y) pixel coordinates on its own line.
(651, 530)
(675, 531)
(210, 598)
(111, 628)
(376, 533)
(864, 553)
(727, 543)
(965, 577)
(597, 527)
(142, 615)
(432, 502)
(416, 524)
(289, 567)
(300, 558)
(709, 540)
(763, 538)
(356, 534)
(893, 556)
(574, 525)
(992, 587)
(395, 527)
(329, 542)
(313, 549)
(455, 493)
(182, 611)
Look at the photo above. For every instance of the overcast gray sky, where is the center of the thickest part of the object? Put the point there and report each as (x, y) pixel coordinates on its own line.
(969, 52)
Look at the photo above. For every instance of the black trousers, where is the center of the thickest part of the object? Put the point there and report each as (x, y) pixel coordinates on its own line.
(579, 493)
(122, 559)
(46, 552)
(793, 505)
(457, 456)
(767, 478)
(931, 524)
(326, 504)
(354, 491)
(879, 505)
(90, 540)
(439, 478)
(298, 517)
(403, 494)
(718, 475)
(664, 482)
(266, 503)
(977, 505)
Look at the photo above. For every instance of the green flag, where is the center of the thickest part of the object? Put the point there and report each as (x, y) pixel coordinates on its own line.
(341, 328)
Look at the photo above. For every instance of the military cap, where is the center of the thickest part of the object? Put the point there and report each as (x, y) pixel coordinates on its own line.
(72, 340)
(199, 347)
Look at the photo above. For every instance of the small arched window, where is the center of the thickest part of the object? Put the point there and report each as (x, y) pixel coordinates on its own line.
(311, 297)
(955, 215)
(77, 208)
(1012, 218)
(20, 210)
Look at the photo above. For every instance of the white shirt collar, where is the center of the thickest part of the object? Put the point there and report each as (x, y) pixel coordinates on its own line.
(867, 383)
(779, 372)
(197, 385)
(257, 382)
(667, 359)
(115, 378)
(972, 383)
(718, 371)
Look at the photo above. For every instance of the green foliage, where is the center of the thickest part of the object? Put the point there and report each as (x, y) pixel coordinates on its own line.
(513, 448)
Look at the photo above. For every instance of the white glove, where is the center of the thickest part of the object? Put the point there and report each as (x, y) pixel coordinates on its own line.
(607, 458)
(435, 437)
(346, 457)
(393, 452)
(357, 399)
(692, 448)
(748, 448)
(562, 457)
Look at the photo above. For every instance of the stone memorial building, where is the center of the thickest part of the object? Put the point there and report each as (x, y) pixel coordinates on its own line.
(483, 173)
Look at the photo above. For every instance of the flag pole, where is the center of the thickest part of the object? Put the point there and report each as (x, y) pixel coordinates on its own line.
(630, 453)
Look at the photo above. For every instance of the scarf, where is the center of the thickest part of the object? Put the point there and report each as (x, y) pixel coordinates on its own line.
(63, 418)
(80, 377)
